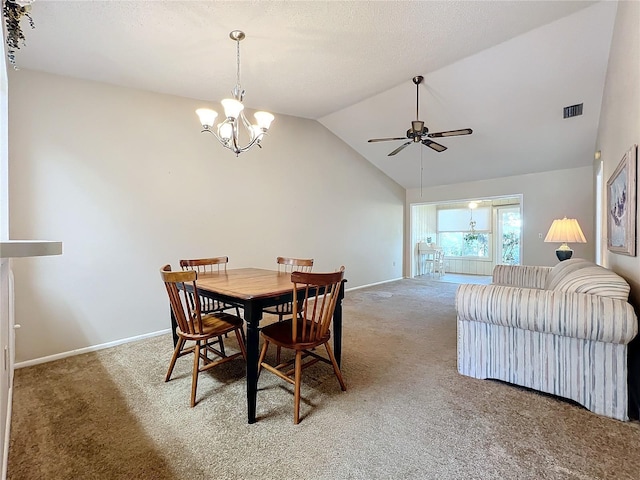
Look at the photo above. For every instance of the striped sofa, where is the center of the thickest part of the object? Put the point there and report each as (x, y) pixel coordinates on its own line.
(563, 330)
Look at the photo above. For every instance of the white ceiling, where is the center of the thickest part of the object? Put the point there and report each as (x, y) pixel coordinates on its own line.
(504, 68)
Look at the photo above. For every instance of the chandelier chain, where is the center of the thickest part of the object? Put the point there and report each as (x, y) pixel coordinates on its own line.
(238, 64)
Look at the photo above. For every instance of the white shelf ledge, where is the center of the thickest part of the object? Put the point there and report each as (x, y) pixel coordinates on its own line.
(29, 248)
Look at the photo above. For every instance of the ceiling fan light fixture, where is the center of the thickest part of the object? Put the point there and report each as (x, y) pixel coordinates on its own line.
(418, 133)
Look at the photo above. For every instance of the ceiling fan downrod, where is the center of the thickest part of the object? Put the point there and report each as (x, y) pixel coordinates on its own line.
(417, 126)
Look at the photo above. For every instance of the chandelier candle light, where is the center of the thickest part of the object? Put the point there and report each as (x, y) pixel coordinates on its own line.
(227, 131)
(565, 231)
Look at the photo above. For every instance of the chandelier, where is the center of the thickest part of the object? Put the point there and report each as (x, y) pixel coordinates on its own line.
(227, 132)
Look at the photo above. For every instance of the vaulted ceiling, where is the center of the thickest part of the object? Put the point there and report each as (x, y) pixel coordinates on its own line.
(505, 69)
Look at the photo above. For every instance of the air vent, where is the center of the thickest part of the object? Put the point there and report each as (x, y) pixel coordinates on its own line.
(573, 111)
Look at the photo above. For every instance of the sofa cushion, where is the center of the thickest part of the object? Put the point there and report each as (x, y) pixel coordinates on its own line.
(558, 272)
(594, 280)
(566, 314)
(528, 276)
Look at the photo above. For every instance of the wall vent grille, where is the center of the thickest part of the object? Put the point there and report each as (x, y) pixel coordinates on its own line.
(573, 111)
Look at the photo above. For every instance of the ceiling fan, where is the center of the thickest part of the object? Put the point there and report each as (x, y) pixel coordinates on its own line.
(419, 133)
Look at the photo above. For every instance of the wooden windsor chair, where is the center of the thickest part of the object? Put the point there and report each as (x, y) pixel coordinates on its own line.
(288, 265)
(193, 326)
(308, 328)
(210, 305)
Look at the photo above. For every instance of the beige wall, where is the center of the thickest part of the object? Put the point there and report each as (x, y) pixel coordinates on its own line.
(127, 181)
(545, 196)
(620, 121)
(6, 329)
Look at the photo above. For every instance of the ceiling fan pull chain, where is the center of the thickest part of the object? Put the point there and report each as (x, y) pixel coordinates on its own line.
(421, 170)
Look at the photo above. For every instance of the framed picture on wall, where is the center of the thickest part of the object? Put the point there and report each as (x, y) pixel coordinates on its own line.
(621, 205)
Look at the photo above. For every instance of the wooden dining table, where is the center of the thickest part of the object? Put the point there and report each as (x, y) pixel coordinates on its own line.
(253, 289)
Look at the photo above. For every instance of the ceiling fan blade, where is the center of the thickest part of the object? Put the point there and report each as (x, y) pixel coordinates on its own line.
(435, 146)
(385, 139)
(400, 148)
(451, 133)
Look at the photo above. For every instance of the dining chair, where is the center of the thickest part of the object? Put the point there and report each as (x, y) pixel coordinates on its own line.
(308, 328)
(210, 265)
(209, 305)
(433, 259)
(288, 265)
(438, 263)
(193, 326)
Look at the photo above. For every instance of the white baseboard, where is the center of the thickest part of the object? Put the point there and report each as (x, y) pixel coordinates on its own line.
(372, 284)
(92, 348)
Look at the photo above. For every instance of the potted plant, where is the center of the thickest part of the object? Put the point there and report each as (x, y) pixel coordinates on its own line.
(14, 11)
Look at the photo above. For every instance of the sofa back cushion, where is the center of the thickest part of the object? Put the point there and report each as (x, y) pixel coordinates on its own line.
(562, 269)
(587, 277)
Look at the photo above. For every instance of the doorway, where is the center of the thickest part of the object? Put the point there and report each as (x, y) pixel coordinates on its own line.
(500, 226)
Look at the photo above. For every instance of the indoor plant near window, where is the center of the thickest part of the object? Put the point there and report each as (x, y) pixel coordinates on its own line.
(470, 237)
(13, 12)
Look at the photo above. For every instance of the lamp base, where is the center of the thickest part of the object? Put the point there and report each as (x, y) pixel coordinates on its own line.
(564, 254)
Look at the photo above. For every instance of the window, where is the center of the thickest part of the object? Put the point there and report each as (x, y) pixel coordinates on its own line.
(464, 244)
(509, 231)
(455, 237)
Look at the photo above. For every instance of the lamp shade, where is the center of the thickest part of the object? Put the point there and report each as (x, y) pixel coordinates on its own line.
(566, 230)
(225, 130)
(232, 107)
(207, 117)
(264, 119)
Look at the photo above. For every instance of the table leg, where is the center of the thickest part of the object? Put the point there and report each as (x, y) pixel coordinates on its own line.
(252, 316)
(337, 326)
(174, 325)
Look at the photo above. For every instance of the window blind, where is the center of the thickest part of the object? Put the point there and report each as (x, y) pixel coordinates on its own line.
(457, 219)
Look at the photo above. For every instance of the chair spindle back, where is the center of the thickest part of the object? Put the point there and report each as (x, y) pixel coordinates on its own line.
(184, 299)
(208, 266)
(289, 265)
(205, 265)
(314, 304)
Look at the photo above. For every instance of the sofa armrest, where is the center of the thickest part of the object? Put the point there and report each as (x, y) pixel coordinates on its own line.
(528, 276)
(569, 314)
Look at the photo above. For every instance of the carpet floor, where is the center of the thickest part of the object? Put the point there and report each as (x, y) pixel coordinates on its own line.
(406, 414)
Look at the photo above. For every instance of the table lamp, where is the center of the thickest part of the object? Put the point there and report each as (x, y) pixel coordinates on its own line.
(565, 231)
